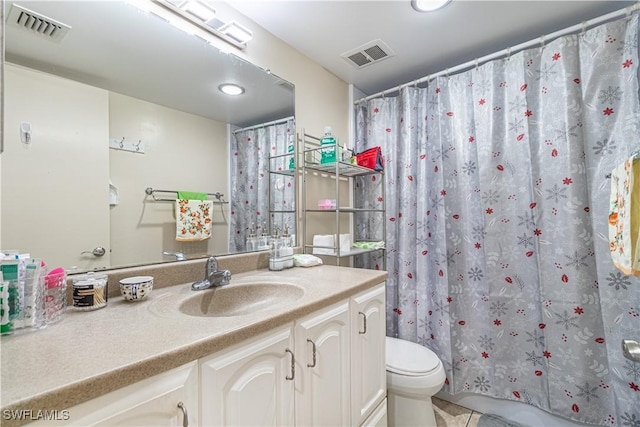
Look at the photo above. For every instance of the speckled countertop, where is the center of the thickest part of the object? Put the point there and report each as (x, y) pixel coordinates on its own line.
(89, 354)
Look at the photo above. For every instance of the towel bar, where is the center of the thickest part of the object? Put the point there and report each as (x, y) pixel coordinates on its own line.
(151, 192)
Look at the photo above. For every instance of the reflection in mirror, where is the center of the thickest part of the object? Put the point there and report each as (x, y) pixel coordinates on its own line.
(263, 197)
(126, 79)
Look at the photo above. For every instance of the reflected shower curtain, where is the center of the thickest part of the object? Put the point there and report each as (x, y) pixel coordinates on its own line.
(497, 204)
(252, 186)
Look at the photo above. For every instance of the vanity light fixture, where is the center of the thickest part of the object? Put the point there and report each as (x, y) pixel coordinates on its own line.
(231, 89)
(236, 32)
(200, 15)
(428, 5)
(199, 9)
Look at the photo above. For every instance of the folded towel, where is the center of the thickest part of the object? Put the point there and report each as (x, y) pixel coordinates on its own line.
(327, 240)
(193, 220)
(191, 195)
(330, 241)
(369, 245)
(624, 217)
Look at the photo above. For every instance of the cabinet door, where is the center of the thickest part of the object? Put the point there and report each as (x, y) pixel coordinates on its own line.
(250, 384)
(368, 370)
(151, 402)
(322, 359)
(379, 416)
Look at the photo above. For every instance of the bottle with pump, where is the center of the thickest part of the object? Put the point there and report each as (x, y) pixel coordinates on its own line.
(275, 257)
(291, 151)
(329, 149)
(252, 240)
(263, 240)
(286, 251)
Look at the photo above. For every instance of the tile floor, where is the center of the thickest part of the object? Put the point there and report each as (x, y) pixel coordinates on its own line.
(451, 415)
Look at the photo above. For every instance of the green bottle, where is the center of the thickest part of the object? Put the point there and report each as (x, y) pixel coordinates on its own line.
(290, 150)
(328, 144)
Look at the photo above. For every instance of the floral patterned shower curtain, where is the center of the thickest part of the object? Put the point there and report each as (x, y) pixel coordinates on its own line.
(497, 206)
(252, 187)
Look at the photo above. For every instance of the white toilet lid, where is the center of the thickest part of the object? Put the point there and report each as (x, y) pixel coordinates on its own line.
(408, 358)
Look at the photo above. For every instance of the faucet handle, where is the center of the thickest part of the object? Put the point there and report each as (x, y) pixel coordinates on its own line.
(211, 266)
(226, 277)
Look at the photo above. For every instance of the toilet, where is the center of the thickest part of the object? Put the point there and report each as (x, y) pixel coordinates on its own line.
(414, 374)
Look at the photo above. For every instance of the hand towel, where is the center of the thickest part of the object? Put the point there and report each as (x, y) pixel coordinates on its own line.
(624, 217)
(191, 195)
(193, 220)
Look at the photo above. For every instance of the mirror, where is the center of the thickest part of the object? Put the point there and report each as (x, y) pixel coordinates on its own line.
(128, 77)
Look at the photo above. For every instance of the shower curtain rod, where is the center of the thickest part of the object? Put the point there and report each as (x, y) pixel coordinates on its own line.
(508, 51)
(275, 122)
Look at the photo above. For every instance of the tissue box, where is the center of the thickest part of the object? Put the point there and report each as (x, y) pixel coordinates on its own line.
(327, 204)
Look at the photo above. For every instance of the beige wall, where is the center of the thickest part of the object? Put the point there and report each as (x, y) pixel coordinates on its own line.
(54, 199)
(176, 144)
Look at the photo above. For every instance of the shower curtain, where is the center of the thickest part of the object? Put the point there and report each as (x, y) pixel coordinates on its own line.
(497, 201)
(254, 191)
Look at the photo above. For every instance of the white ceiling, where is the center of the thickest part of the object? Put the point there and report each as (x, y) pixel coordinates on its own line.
(424, 43)
(116, 46)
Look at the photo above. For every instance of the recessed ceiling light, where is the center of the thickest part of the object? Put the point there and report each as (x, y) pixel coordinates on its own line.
(231, 89)
(428, 5)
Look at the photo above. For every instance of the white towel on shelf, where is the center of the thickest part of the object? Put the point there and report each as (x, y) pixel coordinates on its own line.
(324, 240)
(345, 243)
(330, 241)
(194, 219)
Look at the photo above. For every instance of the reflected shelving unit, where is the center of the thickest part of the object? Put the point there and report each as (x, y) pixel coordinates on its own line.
(282, 178)
(341, 176)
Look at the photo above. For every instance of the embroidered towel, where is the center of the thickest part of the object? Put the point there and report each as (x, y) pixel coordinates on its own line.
(193, 220)
(624, 217)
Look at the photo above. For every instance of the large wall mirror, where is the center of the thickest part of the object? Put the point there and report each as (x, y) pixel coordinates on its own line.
(126, 101)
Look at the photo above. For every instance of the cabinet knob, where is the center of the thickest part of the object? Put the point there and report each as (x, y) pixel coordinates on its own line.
(293, 366)
(313, 364)
(185, 415)
(364, 321)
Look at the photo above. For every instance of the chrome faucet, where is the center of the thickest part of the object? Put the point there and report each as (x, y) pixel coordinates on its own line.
(212, 276)
(179, 255)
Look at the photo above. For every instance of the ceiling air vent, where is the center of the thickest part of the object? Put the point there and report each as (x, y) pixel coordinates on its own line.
(368, 53)
(37, 23)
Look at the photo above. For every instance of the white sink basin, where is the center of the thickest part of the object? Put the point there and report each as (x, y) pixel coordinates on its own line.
(238, 300)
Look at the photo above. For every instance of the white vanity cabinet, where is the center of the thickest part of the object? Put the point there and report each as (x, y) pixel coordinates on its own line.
(368, 369)
(250, 384)
(167, 399)
(339, 376)
(323, 395)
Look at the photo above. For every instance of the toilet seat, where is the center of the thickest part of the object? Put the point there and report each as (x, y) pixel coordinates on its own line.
(409, 359)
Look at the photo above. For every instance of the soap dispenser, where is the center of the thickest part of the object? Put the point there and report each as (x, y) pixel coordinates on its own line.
(263, 240)
(275, 255)
(252, 240)
(286, 252)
